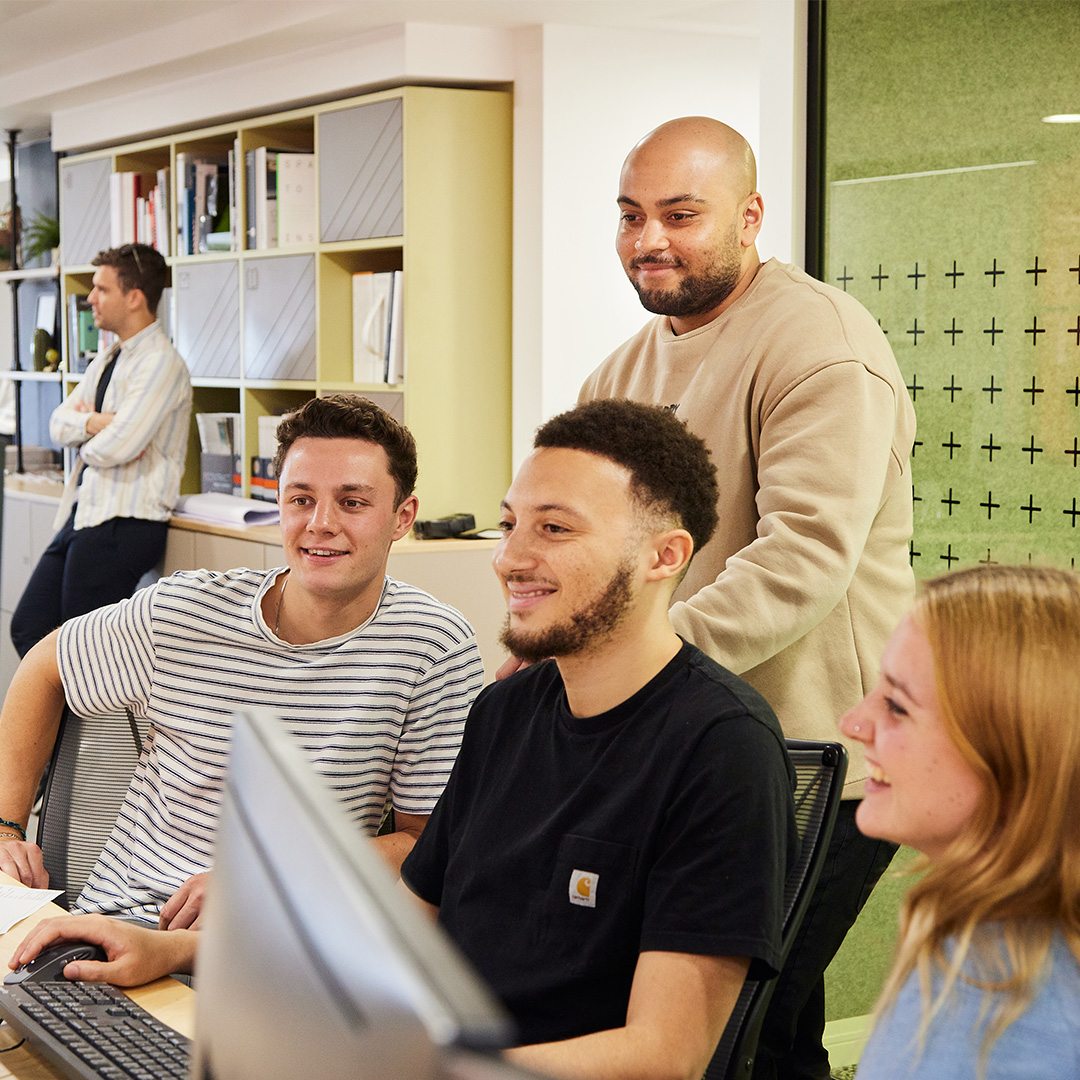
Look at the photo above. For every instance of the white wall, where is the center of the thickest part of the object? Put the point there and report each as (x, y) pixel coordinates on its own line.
(584, 97)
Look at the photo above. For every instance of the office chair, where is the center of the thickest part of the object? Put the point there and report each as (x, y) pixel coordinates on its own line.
(91, 767)
(820, 768)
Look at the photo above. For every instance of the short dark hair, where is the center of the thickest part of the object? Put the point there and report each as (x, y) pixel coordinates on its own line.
(349, 416)
(137, 266)
(670, 467)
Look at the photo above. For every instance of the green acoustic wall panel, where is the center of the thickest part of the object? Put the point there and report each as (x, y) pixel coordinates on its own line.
(953, 214)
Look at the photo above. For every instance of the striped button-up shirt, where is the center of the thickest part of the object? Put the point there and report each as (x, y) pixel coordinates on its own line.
(133, 466)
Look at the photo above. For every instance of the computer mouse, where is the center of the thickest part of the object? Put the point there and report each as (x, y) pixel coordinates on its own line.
(49, 964)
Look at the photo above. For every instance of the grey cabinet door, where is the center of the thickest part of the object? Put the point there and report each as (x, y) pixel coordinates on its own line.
(360, 172)
(279, 318)
(84, 210)
(208, 318)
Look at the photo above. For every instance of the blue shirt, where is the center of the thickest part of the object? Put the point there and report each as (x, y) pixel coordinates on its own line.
(1043, 1043)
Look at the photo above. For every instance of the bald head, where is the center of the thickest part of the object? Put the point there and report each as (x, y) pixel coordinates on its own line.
(704, 146)
(689, 216)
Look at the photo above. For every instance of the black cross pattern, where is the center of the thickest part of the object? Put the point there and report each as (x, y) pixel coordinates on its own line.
(1075, 330)
(1035, 330)
(1031, 509)
(1075, 451)
(1072, 514)
(952, 389)
(993, 331)
(912, 553)
(988, 561)
(990, 505)
(954, 273)
(951, 445)
(879, 277)
(1076, 270)
(952, 330)
(1075, 390)
(950, 502)
(916, 276)
(1033, 390)
(915, 445)
(992, 389)
(915, 329)
(949, 557)
(993, 274)
(914, 386)
(1036, 270)
(1031, 450)
(845, 279)
(990, 446)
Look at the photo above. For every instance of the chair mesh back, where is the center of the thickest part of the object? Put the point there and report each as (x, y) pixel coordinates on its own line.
(820, 769)
(90, 771)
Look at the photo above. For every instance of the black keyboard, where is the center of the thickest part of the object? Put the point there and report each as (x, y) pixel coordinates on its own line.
(92, 1031)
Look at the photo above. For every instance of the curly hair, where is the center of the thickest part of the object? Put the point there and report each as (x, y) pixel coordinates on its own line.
(137, 266)
(349, 416)
(1004, 641)
(670, 467)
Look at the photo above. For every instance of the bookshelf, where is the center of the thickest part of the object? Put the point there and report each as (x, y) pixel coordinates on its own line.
(416, 179)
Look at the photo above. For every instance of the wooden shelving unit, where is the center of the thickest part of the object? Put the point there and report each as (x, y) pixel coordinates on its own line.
(440, 160)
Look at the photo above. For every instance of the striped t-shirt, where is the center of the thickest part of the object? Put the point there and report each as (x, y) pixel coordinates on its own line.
(380, 711)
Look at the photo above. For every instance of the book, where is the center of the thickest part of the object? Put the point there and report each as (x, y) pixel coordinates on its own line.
(296, 199)
(395, 352)
(372, 308)
(265, 198)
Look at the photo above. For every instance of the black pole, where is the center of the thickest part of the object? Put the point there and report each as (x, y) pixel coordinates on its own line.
(16, 248)
(815, 138)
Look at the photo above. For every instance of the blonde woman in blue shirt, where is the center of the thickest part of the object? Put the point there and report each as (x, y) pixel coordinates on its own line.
(972, 736)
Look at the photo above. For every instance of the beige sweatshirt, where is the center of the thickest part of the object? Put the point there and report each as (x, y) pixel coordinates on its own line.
(796, 392)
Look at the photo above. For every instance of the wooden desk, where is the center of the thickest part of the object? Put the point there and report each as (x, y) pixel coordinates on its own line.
(169, 1000)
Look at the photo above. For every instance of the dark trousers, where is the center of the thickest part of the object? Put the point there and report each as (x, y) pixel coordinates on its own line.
(84, 569)
(790, 1045)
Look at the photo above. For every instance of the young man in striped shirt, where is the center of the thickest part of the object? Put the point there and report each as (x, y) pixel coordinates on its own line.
(129, 418)
(374, 677)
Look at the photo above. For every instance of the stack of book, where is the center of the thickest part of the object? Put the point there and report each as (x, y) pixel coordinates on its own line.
(221, 440)
(82, 334)
(139, 209)
(280, 193)
(263, 478)
(205, 203)
(378, 338)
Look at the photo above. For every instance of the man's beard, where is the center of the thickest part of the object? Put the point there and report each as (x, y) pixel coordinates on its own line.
(584, 628)
(696, 293)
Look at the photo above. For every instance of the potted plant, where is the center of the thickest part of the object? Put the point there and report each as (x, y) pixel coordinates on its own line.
(40, 237)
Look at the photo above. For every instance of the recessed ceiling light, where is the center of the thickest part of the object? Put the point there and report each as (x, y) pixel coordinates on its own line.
(1062, 118)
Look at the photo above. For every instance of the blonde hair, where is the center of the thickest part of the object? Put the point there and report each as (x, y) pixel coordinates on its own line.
(1006, 643)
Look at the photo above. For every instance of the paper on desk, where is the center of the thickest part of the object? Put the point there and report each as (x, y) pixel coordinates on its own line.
(226, 509)
(16, 903)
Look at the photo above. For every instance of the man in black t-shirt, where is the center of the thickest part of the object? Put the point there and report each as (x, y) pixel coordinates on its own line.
(611, 849)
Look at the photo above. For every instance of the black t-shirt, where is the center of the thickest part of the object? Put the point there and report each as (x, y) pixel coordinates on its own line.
(563, 847)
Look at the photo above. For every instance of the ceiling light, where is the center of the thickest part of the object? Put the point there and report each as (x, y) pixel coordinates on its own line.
(1062, 118)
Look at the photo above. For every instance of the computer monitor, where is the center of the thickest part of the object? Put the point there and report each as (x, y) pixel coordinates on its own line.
(313, 962)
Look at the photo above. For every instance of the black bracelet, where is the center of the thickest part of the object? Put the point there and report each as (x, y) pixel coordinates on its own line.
(14, 825)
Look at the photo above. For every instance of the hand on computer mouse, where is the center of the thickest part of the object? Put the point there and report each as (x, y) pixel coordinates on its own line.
(131, 955)
(49, 964)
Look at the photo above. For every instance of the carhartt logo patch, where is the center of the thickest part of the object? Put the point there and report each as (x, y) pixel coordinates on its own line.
(583, 888)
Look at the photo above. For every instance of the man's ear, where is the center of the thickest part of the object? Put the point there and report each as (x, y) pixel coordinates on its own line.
(752, 216)
(671, 551)
(406, 515)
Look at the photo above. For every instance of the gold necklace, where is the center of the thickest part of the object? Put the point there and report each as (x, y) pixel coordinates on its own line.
(280, 599)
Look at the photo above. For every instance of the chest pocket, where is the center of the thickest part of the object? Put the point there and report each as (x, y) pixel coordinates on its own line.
(590, 907)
